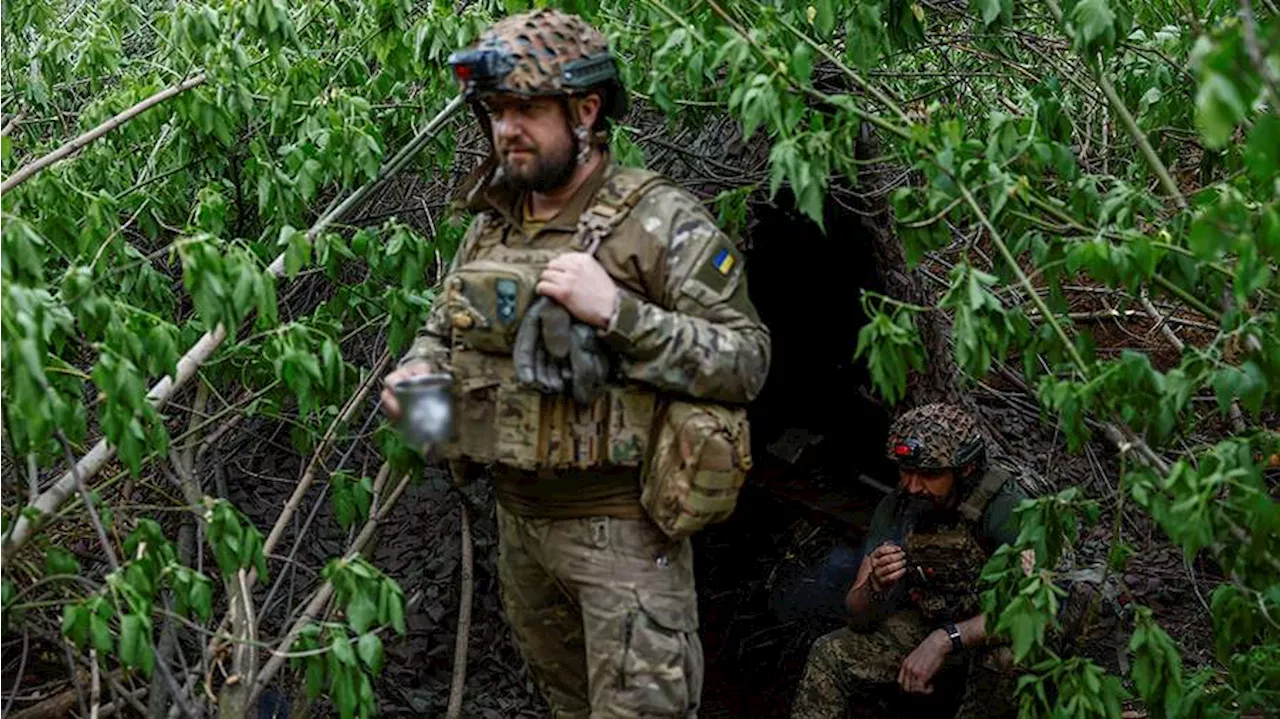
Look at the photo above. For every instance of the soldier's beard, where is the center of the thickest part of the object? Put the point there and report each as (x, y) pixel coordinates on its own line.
(550, 169)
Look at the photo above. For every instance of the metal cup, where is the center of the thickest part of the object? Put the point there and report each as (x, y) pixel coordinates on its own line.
(426, 407)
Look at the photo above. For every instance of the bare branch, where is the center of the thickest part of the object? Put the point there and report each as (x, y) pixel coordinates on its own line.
(27, 171)
(459, 683)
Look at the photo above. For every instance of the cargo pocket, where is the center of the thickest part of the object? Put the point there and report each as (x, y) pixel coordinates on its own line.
(662, 658)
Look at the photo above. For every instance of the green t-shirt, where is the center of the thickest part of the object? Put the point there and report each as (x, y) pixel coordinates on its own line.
(999, 524)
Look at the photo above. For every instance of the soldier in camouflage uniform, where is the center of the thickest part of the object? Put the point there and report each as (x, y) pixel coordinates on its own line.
(915, 611)
(584, 299)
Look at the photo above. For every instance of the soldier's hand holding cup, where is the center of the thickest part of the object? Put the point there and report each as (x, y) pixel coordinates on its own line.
(390, 405)
(888, 566)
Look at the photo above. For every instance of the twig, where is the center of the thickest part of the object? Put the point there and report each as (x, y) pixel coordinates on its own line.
(322, 595)
(1161, 323)
(95, 686)
(1130, 124)
(33, 480)
(92, 511)
(22, 665)
(4, 132)
(96, 459)
(25, 172)
(458, 686)
(101, 453)
(317, 457)
(71, 667)
(315, 509)
(1269, 79)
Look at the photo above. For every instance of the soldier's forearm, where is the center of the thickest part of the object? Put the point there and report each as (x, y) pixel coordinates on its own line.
(673, 351)
(428, 348)
(973, 631)
(867, 607)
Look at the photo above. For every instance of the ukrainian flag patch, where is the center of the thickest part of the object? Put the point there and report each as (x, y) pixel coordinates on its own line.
(723, 261)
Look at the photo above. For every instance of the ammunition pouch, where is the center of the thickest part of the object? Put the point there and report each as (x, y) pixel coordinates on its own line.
(699, 457)
(500, 422)
(943, 568)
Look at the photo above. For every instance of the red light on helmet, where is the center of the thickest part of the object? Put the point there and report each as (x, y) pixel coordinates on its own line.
(902, 450)
(463, 73)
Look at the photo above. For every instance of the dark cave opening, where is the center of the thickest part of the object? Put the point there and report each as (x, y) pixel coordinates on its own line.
(770, 579)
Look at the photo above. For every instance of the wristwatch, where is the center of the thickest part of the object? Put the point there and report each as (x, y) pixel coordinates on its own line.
(957, 643)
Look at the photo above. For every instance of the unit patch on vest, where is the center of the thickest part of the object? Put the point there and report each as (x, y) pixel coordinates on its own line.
(507, 291)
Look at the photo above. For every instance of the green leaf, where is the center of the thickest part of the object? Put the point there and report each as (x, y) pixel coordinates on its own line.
(396, 608)
(201, 598)
(1219, 108)
(75, 624)
(1094, 24)
(315, 677)
(60, 561)
(1262, 153)
(341, 648)
(100, 633)
(130, 639)
(802, 63)
(361, 612)
(991, 10)
(824, 19)
(370, 650)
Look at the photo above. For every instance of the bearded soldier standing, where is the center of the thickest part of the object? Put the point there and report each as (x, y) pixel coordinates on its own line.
(915, 609)
(601, 344)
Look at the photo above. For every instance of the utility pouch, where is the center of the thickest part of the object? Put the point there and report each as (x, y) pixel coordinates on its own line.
(485, 301)
(943, 569)
(699, 457)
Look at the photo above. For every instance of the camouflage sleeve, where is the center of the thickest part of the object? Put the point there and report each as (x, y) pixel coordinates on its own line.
(883, 526)
(432, 341)
(1000, 521)
(697, 333)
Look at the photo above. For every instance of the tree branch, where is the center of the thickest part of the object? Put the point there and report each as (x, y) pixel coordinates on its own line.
(1130, 124)
(26, 172)
(322, 595)
(93, 462)
(458, 686)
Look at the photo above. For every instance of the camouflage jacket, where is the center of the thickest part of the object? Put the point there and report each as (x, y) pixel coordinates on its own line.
(684, 322)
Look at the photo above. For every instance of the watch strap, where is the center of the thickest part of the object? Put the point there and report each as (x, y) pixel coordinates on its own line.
(957, 642)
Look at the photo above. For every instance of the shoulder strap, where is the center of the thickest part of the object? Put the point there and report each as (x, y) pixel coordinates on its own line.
(621, 191)
(976, 503)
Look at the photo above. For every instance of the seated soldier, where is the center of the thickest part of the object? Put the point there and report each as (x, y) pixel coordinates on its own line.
(915, 607)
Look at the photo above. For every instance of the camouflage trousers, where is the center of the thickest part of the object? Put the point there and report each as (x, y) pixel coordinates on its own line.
(605, 614)
(854, 673)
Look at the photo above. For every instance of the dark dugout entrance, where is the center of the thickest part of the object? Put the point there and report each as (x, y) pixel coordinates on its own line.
(771, 578)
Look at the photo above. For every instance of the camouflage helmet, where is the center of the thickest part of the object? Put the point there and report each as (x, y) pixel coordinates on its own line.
(540, 54)
(935, 436)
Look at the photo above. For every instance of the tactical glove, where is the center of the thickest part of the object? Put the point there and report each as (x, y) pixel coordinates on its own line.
(553, 350)
(535, 367)
(589, 363)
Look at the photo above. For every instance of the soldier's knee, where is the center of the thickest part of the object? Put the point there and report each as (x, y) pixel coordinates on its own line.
(825, 652)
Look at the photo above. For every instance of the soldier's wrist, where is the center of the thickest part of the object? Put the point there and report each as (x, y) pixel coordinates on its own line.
(950, 637)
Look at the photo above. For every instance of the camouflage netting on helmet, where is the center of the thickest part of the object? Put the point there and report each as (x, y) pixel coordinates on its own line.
(935, 436)
(538, 53)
